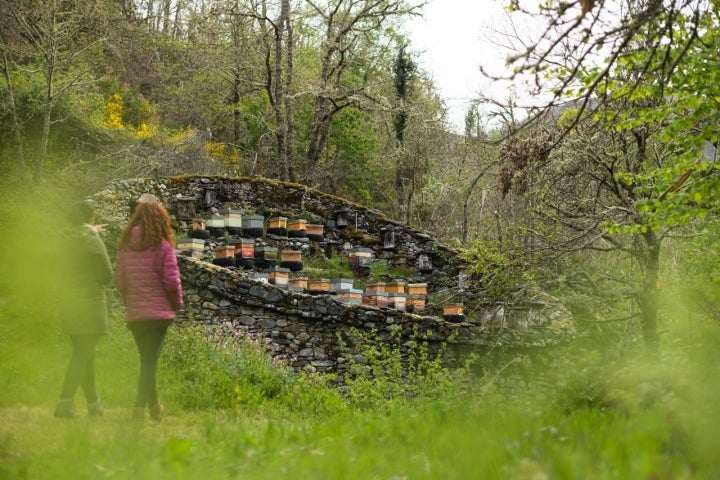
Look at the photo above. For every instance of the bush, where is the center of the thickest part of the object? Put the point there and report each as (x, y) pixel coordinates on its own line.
(380, 374)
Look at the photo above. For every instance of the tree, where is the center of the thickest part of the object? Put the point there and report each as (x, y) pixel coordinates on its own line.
(12, 107)
(624, 165)
(350, 32)
(60, 37)
(404, 70)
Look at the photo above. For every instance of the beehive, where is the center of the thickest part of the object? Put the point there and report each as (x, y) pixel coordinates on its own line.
(417, 288)
(318, 284)
(352, 296)
(375, 287)
(225, 251)
(191, 247)
(279, 276)
(340, 284)
(233, 218)
(299, 282)
(395, 287)
(415, 303)
(397, 301)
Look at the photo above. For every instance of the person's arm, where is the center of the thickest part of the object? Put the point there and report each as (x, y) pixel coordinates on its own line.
(101, 263)
(119, 275)
(171, 277)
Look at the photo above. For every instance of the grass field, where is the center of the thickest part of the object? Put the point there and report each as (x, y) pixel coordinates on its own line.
(591, 410)
(577, 412)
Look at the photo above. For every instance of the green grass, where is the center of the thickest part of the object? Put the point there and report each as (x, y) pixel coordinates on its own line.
(232, 413)
(589, 410)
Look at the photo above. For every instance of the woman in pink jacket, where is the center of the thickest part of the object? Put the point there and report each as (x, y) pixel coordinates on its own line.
(148, 278)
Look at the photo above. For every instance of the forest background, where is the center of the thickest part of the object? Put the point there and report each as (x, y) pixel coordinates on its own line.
(604, 193)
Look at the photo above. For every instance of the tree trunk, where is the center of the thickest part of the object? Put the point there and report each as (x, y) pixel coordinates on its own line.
(648, 300)
(289, 72)
(318, 137)
(237, 112)
(400, 184)
(13, 116)
(47, 117)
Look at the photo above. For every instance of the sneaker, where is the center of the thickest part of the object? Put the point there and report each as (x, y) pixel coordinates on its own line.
(64, 409)
(156, 412)
(95, 409)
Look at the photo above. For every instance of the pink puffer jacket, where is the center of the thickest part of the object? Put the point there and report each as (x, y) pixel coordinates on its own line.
(148, 280)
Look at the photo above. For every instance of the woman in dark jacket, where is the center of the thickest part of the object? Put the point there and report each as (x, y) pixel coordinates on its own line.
(148, 278)
(87, 271)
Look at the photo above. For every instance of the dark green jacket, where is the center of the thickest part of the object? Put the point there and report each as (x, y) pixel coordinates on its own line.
(87, 271)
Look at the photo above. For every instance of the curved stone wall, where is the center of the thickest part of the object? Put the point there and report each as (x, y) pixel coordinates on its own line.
(305, 329)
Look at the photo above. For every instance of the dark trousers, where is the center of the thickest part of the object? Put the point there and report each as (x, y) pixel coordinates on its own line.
(81, 368)
(148, 335)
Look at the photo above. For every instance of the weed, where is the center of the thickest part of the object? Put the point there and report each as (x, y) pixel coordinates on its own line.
(383, 372)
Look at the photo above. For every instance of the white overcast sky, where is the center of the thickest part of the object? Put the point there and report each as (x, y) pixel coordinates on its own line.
(452, 40)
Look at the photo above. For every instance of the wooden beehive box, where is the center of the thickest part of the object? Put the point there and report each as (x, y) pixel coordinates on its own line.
(191, 247)
(300, 282)
(279, 276)
(375, 287)
(198, 224)
(417, 288)
(352, 296)
(226, 251)
(395, 287)
(290, 255)
(415, 303)
(277, 222)
(233, 218)
(376, 299)
(339, 284)
(253, 221)
(360, 256)
(318, 284)
(247, 248)
(452, 309)
(215, 221)
(397, 301)
(266, 253)
(315, 231)
(297, 224)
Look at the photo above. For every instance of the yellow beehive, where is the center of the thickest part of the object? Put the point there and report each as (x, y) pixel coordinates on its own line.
(395, 287)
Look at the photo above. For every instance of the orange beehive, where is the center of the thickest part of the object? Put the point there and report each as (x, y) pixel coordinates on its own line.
(226, 251)
(318, 284)
(277, 222)
(279, 276)
(290, 255)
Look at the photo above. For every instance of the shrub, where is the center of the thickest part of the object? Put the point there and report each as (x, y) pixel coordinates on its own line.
(380, 374)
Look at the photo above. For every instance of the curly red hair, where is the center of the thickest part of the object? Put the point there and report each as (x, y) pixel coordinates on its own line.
(154, 222)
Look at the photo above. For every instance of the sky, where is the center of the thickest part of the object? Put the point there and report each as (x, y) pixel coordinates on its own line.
(452, 38)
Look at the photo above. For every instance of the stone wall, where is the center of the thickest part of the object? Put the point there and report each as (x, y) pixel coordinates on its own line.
(304, 329)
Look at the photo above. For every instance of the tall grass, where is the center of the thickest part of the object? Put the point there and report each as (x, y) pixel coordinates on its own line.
(588, 410)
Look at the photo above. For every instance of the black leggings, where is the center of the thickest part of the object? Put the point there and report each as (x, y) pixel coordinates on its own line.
(148, 335)
(81, 368)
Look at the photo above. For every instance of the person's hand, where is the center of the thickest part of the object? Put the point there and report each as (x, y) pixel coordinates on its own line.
(100, 228)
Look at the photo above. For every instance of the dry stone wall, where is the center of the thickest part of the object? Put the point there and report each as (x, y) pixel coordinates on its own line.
(305, 329)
